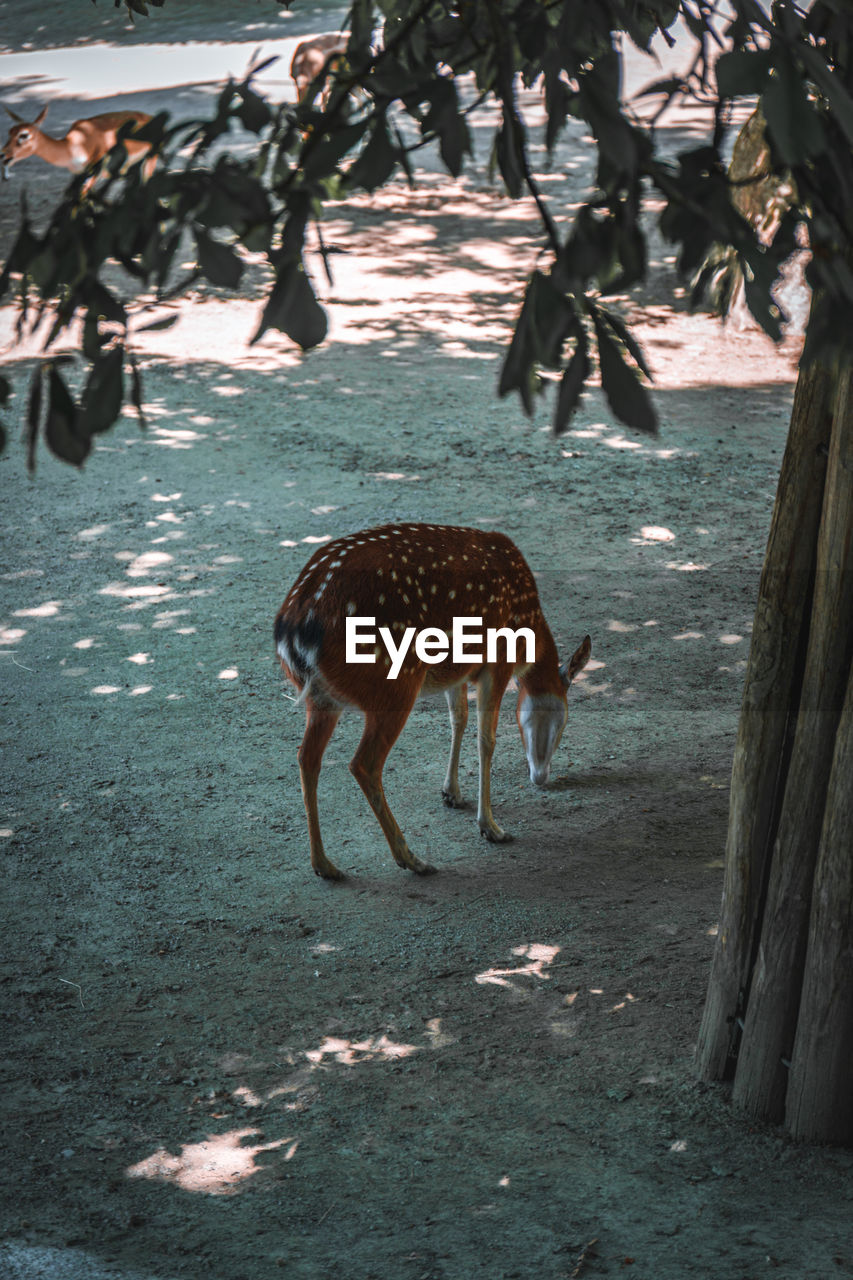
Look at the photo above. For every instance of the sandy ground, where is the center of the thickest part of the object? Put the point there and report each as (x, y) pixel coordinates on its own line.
(216, 1064)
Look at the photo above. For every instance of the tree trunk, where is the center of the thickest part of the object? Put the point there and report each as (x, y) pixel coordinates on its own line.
(761, 1081)
(820, 1094)
(781, 985)
(770, 697)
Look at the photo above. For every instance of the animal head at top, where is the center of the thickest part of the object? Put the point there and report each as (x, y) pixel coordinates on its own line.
(22, 141)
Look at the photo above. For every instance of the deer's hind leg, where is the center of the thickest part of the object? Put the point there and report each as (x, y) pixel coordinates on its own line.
(382, 728)
(319, 727)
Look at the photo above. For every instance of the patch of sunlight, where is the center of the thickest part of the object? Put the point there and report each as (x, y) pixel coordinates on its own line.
(141, 659)
(6, 833)
(122, 591)
(166, 618)
(730, 639)
(143, 564)
(620, 442)
(226, 391)
(689, 566)
(391, 475)
(504, 1181)
(166, 497)
(228, 560)
(176, 437)
(680, 1144)
(690, 635)
(47, 610)
(215, 1167)
(351, 1052)
(614, 625)
(288, 543)
(323, 511)
(538, 956)
(168, 517)
(319, 537)
(95, 532)
(667, 453)
(651, 534)
(140, 688)
(230, 673)
(247, 1097)
(438, 1039)
(652, 622)
(11, 635)
(105, 688)
(86, 643)
(623, 1004)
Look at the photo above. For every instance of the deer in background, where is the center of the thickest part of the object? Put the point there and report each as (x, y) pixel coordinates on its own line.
(314, 55)
(404, 577)
(86, 142)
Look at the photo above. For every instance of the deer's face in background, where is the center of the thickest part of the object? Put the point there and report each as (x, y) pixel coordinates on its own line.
(21, 142)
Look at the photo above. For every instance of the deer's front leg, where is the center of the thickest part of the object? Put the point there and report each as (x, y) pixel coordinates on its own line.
(490, 691)
(457, 705)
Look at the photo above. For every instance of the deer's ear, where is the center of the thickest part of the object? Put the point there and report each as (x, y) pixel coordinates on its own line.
(40, 117)
(576, 662)
(11, 113)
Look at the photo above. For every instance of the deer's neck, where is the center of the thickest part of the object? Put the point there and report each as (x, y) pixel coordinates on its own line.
(544, 675)
(60, 152)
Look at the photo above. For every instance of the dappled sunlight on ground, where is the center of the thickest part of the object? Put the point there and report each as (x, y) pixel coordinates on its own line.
(216, 1166)
(538, 955)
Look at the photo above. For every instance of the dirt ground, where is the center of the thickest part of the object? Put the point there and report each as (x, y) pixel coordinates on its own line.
(216, 1064)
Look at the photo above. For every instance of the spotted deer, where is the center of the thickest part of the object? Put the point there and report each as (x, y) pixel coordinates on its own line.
(401, 578)
(313, 56)
(86, 142)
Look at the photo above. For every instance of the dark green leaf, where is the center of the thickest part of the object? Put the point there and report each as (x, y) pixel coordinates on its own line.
(31, 431)
(742, 73)
(293, 308)
(628, 340)
(376, 162)
(136, 389)
(322, 158)
(625, 394)
(253, 110)
(103, 394)
(61, 427)
(572, 385)
(794, 129)
(218, 261)
(165, 323)
(509, 145)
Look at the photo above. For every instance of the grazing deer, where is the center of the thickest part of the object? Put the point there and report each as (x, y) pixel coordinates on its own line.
(86, 142)
(398, 578)
(313, 56)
